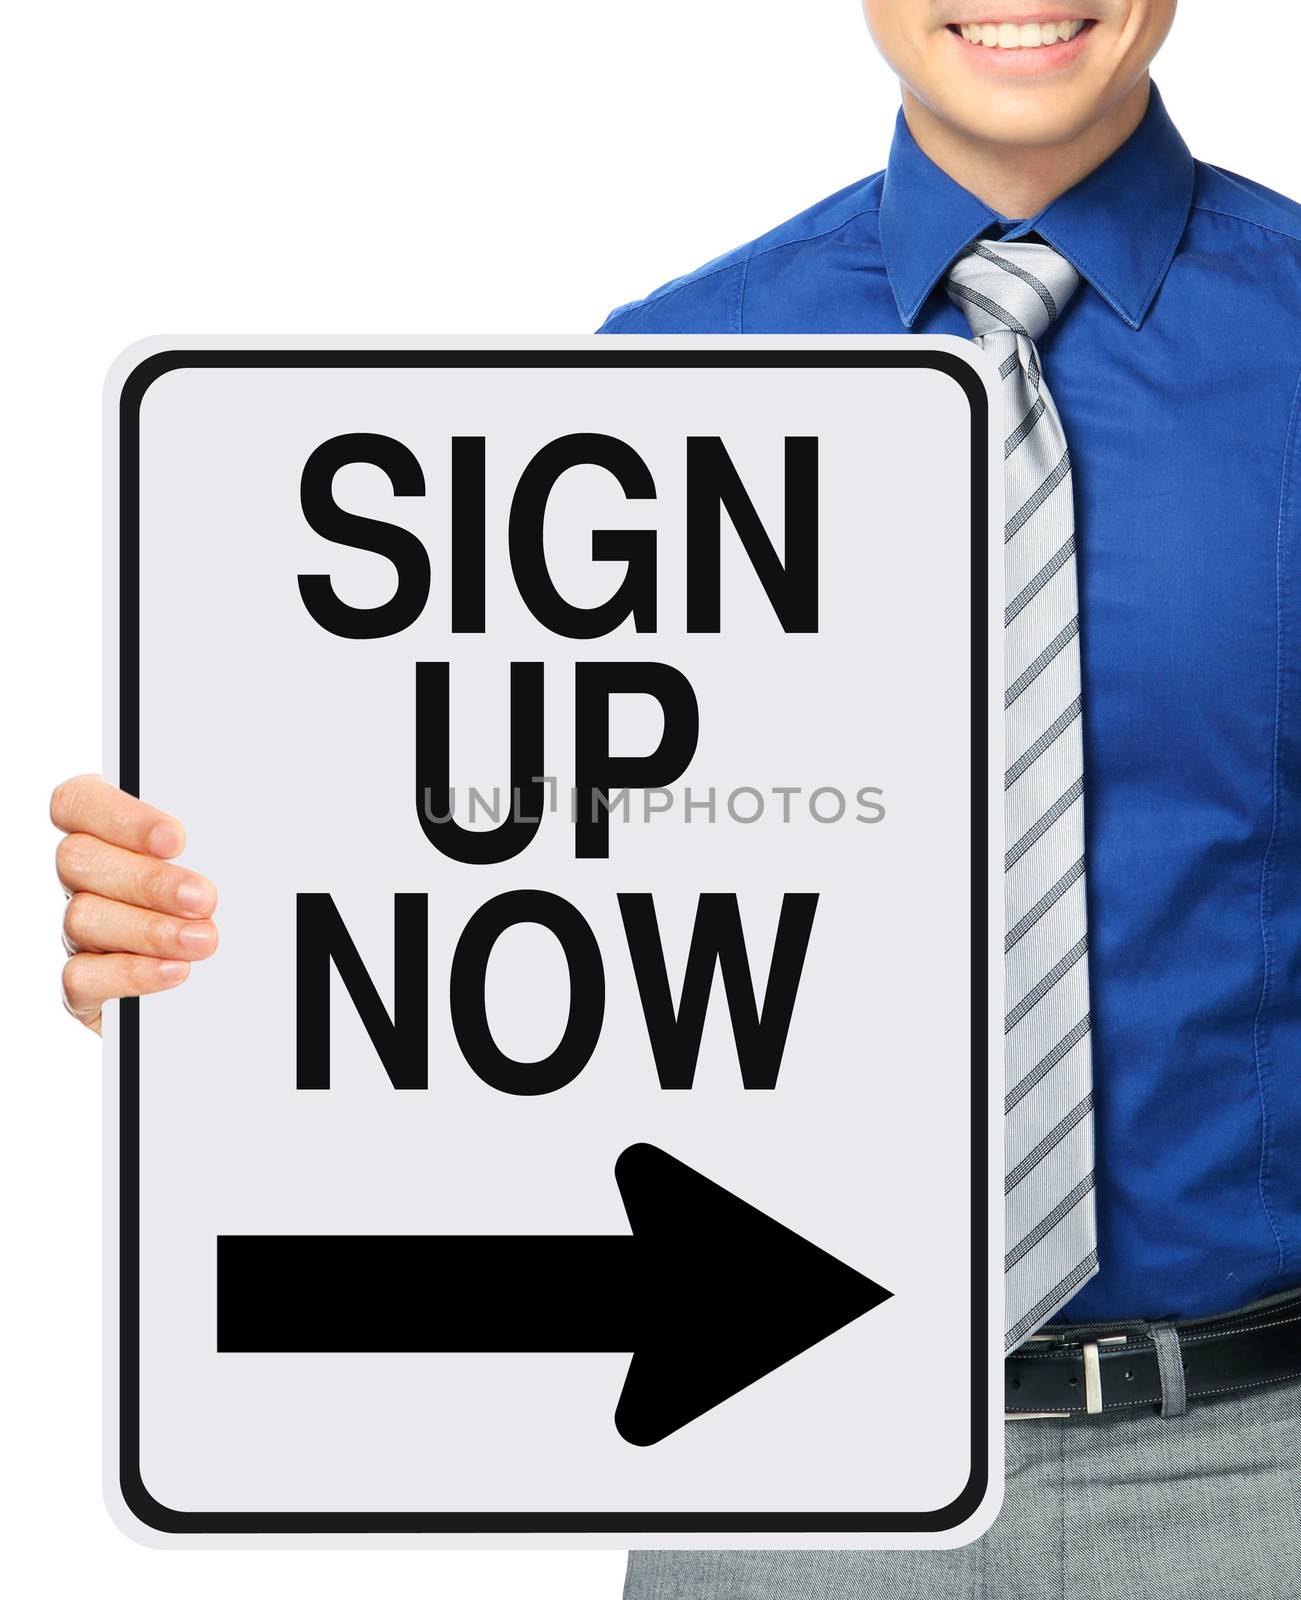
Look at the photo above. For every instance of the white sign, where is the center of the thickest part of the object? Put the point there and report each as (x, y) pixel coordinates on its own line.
(584, 1132)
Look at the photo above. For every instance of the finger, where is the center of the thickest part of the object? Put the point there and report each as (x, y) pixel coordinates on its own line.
(89, 981)
(86, 863)
(89, 805)
(103, 926)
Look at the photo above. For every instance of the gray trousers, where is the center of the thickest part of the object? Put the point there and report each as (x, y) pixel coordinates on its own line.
(1108, 1508)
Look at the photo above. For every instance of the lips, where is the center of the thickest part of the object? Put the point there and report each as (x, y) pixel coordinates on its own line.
(1022, 49)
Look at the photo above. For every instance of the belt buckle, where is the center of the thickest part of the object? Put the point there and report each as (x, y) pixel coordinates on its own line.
(1092, 1376)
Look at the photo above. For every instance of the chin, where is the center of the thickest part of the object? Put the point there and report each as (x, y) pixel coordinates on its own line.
(1019, 114)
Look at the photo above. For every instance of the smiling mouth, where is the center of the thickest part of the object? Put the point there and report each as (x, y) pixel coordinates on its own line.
(1020, 35)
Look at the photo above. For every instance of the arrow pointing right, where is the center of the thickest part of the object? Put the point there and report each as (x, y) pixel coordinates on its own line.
(734, 1295)
(709, 1293)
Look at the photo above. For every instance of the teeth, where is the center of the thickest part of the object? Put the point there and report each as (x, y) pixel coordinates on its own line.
(1019, 35)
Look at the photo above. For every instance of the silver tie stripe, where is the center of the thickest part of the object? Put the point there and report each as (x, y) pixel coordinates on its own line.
(1011, 294)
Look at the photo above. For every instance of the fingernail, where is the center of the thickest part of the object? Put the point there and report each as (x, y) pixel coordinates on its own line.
(173, 971)
(200, 937)
(165, 839)
(193, 894)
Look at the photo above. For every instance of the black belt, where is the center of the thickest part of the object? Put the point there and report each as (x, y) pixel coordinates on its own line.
(1090, 1369)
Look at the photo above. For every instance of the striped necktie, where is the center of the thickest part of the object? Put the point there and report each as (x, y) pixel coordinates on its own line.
(1011, 294)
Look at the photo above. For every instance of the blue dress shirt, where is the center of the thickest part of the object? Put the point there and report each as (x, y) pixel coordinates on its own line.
(1175, 369)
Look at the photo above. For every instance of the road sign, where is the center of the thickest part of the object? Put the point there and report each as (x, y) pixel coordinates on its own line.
(583, 1134)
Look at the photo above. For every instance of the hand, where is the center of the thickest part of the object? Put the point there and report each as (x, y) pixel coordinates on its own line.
(134, 923)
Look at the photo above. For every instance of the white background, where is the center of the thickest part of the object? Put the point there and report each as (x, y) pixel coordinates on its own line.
(323, 168)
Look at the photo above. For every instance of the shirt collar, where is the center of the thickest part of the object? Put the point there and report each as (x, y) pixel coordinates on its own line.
(1118, 226)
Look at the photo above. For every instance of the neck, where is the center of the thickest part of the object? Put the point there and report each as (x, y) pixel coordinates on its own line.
(1020, 180)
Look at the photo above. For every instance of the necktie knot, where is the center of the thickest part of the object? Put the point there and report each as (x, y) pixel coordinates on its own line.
(1018, 287)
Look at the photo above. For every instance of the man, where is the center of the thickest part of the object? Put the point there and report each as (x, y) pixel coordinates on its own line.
(1038, 198)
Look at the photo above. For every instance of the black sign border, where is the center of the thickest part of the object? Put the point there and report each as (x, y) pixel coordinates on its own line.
(166, 1519)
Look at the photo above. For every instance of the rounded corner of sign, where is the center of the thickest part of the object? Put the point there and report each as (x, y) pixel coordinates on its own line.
(136, 369)
(972, 1513)
(136, 1513)
(974, 372)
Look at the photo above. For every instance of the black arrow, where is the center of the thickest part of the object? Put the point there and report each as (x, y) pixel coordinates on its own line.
(709, 1293)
